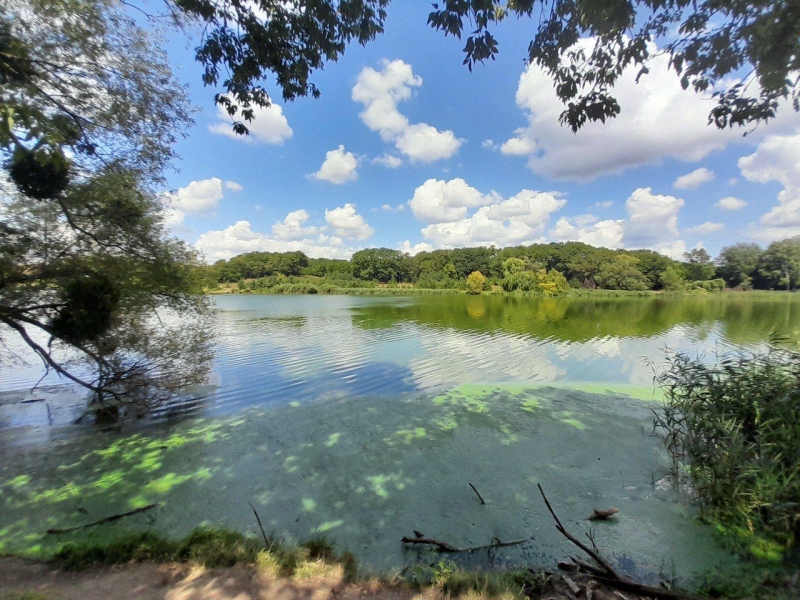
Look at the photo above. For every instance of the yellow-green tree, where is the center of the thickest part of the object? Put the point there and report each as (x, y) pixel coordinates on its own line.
(476, 282)
(552, 283)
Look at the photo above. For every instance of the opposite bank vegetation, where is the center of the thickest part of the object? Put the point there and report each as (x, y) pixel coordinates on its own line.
(546, 269)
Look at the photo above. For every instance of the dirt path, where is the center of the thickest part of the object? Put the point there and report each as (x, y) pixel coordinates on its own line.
(148, 581)
(171, 581)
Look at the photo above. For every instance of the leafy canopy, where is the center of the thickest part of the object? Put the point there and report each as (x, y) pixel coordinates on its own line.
(746, 53)
(243, 42)
(89, 280)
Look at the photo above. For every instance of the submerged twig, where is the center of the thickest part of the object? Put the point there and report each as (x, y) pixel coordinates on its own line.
(445, 547)
(605, 572)
(110, 519)
(474, 489)
(560, 527)
(442, 546)
(260, 526)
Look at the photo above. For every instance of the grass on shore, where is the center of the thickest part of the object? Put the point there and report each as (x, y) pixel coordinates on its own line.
(316, 558)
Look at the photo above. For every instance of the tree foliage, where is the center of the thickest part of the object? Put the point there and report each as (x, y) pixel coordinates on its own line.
(381, 264)
(243, 43)
(90, 281)
(698, 265)
(622, 274)
(779, 265)
(737, 264)
(516, 267)
(476, 282)
(709, 44)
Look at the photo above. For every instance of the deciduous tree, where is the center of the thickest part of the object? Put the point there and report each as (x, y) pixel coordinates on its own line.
(779, 266)
(747, 54)
(738, 264)
(90, 281)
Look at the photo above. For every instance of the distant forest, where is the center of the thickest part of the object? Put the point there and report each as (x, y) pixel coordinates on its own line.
(547, 268)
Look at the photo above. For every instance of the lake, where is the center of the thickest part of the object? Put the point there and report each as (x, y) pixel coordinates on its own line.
(363, 419)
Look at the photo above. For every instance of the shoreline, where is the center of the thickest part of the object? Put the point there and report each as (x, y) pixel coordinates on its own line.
(327, 290)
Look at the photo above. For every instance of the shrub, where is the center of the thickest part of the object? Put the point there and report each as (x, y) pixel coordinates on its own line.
(734, 427)
(711, 285)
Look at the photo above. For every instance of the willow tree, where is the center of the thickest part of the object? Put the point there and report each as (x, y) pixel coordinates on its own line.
(89, 279)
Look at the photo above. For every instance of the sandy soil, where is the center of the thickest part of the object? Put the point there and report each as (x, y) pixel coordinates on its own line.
(151, 581)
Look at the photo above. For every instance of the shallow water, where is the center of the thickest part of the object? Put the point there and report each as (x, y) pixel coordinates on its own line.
(363, 419)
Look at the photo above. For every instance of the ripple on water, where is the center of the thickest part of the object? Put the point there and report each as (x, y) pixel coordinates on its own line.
(364, 419)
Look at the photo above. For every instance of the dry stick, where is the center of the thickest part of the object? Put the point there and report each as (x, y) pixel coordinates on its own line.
(474, 489)
(261, 527)
(606, 573)
(609, 570)
(442, 546)
(445, 547)
(110, 519)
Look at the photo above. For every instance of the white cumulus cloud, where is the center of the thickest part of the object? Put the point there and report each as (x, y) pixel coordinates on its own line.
(339, 167)
(240, 238)
(347, 223)
(292, 227)
(199, 197)
(389, 161)
(604, 234)
(707, 227)
(269, 125)
(446, 205)
(658, 120)
(380, 92)
(413, 249)
(693, 180)
(730, 203)
(652, 224)
(439, 201)
(777, 158)
(233, 186)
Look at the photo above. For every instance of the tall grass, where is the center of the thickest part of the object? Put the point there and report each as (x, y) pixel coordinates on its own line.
(734, 429)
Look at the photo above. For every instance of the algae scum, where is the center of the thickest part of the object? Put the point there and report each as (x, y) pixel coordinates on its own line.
(350, 418)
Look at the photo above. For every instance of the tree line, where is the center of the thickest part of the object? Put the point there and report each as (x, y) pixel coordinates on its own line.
(549, 268)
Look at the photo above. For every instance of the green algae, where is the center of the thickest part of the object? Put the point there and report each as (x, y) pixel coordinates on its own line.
(367, 472)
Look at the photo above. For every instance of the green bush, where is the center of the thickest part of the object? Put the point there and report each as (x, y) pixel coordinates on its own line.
(711, 285)
(734, 428)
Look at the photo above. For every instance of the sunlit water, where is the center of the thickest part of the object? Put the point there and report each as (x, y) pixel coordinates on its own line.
(363, 419)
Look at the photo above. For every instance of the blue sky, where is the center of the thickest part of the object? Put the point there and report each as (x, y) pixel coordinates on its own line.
(407, 149)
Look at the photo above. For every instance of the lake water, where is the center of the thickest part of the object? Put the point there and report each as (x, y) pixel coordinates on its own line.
(364, 419)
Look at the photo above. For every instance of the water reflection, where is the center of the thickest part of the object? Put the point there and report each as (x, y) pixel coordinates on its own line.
(364, 418)
(276, 350)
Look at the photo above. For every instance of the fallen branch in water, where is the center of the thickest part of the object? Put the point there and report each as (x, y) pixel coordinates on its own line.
(474, 489)
(605, 572)
(445, 547)
(442, 546)
(110, 519)
(562, 530)
(260, 526)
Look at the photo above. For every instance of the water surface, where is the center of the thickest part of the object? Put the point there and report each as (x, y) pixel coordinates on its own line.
(362, 419)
